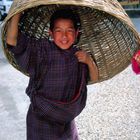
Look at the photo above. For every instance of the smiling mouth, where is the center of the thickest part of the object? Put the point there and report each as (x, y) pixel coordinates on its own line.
(64, 41)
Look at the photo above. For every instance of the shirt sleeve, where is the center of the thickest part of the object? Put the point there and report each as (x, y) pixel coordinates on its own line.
(25, 52)
(135, 65)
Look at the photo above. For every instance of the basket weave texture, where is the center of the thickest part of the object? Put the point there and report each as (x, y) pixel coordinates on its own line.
(108, 34)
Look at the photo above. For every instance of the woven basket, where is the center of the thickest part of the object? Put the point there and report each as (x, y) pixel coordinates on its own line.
(108, 34)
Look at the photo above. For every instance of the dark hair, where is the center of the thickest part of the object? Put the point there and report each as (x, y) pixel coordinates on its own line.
(65, 14)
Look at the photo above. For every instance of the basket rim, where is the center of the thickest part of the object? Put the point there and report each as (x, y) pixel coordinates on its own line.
(24, 6)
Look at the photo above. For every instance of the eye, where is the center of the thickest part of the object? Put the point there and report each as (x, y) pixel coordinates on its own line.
(57, 30)
(70, 30)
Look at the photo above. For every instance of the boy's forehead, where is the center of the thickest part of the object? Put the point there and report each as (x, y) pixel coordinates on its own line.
(63, 20)
(63, 23)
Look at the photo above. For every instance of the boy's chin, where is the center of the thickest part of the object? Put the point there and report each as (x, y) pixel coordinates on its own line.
(64, 47)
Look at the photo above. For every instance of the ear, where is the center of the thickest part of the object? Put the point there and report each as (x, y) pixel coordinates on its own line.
(50, 33)
(77, 33)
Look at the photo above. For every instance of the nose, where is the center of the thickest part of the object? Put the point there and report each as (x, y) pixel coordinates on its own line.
(64, 35)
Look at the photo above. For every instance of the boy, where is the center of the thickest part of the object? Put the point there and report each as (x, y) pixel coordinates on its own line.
(58, 74)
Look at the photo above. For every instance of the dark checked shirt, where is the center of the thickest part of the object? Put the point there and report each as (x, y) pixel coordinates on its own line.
(57, 85)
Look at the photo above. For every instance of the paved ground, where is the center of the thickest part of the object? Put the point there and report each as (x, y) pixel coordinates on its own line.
(112, 111)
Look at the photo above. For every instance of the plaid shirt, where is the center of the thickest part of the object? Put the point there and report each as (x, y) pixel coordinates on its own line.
(57, 88)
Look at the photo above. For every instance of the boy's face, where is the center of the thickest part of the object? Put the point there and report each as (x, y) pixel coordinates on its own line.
(64, 33)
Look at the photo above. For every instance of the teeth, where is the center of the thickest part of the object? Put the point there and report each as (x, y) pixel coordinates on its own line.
(64, 42)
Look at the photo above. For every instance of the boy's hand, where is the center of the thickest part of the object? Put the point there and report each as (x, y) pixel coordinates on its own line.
(83, 57)
(18, 15)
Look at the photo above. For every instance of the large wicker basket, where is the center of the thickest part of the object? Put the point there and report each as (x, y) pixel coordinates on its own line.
(108, 34)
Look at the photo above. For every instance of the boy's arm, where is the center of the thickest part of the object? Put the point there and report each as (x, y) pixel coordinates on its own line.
(93, 70)
(12, 30)
(83, 57)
